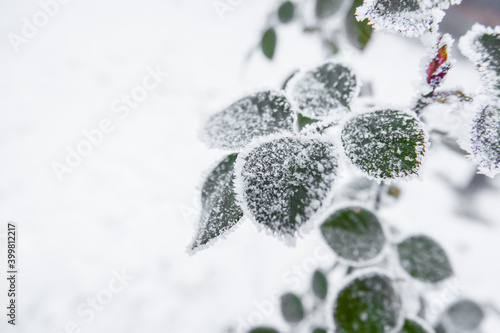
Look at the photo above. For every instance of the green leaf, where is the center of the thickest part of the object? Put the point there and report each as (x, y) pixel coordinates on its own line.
(260, 114)
(303, 121)
(286, 12)
(220, 209)
(464, 316)
(327, 8)
(354, 234)
(367, 304)
(411, 326)
(325, 91)
(385, 144)
(485, 140)
(482, 46)
(291, 308)
(268, 43)
(263, 330)
(319, 330)
(358, 32)
(284, 182)
(424, 259)
(320, 285)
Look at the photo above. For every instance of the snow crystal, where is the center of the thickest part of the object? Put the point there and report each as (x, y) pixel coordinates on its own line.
(257, 115)
(482, 46)
(411, 18)
(485, 140)
(371, 142)
(220, 211)
(280, 184)
(324, 91)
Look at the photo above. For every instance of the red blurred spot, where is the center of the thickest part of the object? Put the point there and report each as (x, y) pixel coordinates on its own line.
(439, 67)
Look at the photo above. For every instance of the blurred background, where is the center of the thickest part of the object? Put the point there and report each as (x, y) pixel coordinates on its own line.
(128, 207)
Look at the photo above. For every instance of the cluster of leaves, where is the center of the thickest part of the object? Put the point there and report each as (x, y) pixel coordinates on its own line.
(325, 11)
(481, 45)
(370, 299)
(285, 149)
(282, 174)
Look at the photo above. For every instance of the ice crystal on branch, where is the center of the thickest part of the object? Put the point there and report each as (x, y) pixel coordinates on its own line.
(257, 115)
(283, 182)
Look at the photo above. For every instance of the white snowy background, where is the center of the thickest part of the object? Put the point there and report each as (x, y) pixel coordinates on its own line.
(130, 204)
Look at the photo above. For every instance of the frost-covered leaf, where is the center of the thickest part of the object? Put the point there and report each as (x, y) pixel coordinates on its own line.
(440, 65)
(409, 17)
(482, 46)
(284, 182)
(463, 316)
(358, 32)
(424, 259)
(327, 8)
(385, 144)
(319, 284)
(220, 209)
(286, 11)
(324, 91)
(485, 140)
(268, 43)
(263, 330)
(291, 308)
(411, 326)
(368, 303)
(354, 234)
(260, 114)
